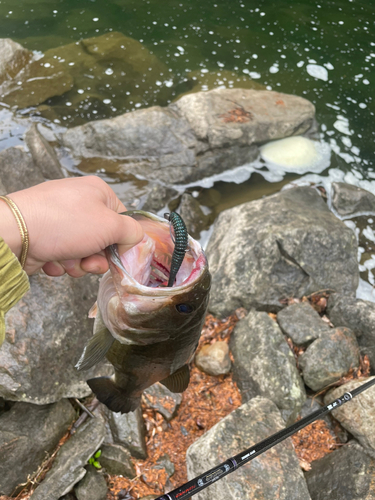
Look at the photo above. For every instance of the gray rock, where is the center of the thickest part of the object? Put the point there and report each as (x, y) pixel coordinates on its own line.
(193, 216)
(329, 358)
(277, 472)
(214, 359)
(43, 154)
(197, 136)
(69, 496)
(265, 366)
(244, 116)
(164, 462)
(144, 139)
(349, 200)
(301, 323)
(27, 432)
(158, 197)
(128, 429)
(49, 328)
(117, 460)
(13, 57)
(357, 416)
(315, 403)
(286, 245)
(92, 487)
(345, 474)
(359, 316)
(163, 400)
(17, 170)
(68, 466)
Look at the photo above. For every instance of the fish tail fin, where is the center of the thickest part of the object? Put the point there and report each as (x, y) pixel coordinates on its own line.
(113, 396)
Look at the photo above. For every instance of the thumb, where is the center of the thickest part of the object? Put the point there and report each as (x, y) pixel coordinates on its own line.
(129, 233)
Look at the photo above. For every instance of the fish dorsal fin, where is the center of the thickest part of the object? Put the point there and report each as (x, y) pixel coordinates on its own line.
(97, 347)
(178, 381)
(93, 311)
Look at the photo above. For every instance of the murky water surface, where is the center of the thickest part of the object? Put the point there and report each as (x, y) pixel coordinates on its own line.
(324, 51)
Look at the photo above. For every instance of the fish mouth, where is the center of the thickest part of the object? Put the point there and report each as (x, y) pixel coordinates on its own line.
(145, 268)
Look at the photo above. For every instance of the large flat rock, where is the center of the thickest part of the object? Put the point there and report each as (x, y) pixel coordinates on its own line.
(199, 135)
(264, 365)
(27, 433)
(275, 474)
(286, 245)
(46, 333)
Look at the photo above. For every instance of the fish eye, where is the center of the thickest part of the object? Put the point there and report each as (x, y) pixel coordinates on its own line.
(184, 308)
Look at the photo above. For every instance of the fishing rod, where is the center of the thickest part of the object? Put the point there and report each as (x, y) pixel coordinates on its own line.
(200, 482)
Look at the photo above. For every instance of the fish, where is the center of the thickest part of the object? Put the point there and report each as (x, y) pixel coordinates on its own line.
(147, 330)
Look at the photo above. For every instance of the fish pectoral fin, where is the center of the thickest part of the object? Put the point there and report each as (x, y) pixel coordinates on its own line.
(113, 396)
(178, 381)
(95, 350)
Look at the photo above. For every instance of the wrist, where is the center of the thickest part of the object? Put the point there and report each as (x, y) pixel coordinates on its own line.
(9, 230)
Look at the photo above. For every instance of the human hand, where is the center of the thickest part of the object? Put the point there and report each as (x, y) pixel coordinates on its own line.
(70, 223)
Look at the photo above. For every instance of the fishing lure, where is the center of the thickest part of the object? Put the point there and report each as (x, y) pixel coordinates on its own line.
(180, 241)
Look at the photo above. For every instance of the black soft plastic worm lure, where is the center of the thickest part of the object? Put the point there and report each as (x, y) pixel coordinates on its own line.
(180, 244)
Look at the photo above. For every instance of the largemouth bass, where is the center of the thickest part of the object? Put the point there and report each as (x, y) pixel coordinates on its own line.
(148, 330)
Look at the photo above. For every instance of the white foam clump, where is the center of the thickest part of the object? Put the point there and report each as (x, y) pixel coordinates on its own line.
(296, 154)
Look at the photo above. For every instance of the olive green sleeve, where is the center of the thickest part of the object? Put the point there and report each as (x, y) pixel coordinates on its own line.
(14, 283)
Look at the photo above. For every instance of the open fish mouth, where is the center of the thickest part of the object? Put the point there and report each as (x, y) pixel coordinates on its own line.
(145, 268)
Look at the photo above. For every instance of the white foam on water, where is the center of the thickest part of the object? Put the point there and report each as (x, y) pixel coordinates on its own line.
(297, 155)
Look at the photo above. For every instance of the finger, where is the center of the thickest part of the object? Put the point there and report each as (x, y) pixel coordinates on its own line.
(73, 268)
(129, 233)
(53, 269)
(95, 264)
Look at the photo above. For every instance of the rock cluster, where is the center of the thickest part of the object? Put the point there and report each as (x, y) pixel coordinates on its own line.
(261, 254)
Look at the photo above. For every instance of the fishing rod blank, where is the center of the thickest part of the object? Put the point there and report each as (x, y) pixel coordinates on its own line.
(200, 482)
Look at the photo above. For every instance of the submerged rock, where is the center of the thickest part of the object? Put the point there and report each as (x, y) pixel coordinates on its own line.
(286, 245)
(27, 433)
(264, 365)
(329, 358)
(357, 416)
(86, 72)
(13, 57)
(345, 474)
(276, 472)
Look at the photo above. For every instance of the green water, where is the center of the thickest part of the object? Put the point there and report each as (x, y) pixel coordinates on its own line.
(273, 41)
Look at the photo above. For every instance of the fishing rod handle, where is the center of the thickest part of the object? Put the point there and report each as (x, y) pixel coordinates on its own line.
(200, 482)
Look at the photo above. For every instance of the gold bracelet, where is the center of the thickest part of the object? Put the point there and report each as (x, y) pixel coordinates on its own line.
(21, 226)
